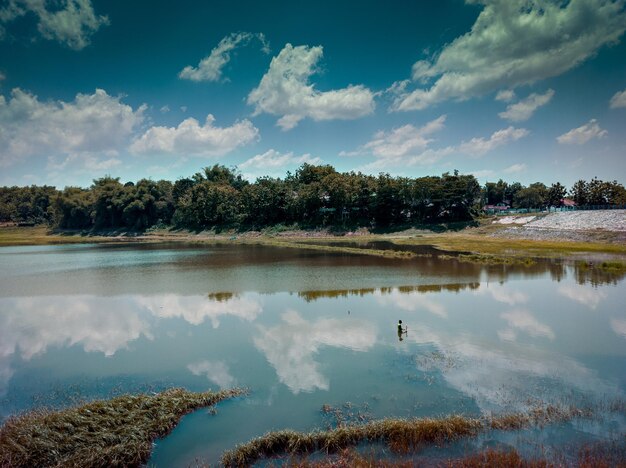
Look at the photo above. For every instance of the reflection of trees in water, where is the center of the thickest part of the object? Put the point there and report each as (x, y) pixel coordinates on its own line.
(310, 296)
(597, 275)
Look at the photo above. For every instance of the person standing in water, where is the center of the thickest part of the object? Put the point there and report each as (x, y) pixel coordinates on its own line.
(401, 330)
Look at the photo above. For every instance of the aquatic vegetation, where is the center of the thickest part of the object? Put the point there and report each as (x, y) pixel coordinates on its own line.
(117, 432)
(491, 259)
(603, 454)
(399, 435)
(295, 244)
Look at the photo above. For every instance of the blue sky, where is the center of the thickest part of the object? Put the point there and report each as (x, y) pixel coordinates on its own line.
(522, 90)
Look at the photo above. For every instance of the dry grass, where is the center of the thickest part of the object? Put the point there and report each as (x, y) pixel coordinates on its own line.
(483, 243)
(600, 455)
(399, 434)
(117, 432)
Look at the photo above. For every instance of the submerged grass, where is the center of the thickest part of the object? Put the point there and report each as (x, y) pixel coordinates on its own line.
(117, 432)
(399, 435)
(293, 244)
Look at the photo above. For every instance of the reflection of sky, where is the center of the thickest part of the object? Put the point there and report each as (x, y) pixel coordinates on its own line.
(31, 326)
(499, 345)
(290, 346)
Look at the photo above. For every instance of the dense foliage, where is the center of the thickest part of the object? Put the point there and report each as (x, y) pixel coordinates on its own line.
(313, 196)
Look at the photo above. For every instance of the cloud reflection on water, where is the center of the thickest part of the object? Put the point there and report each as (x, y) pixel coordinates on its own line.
(589, 296)
(505, 377)
(197, 309)
(216, 371)
(290, 346)
(31, 326)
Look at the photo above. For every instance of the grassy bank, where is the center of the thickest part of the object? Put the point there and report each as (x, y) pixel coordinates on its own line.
(43, 235)
(475, 245)
(117, 432)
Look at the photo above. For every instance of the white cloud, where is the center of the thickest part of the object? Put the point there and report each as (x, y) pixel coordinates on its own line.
(84, 162)
(409, 145)
(481, 146)
(92, 123)
(582, 134)
(404, 141)
(406, 145)
(291, 346)
(216, 371)
(192, 139)
(515, 168)
(524, 109)
(506, 95)
(273, 161)
(210, 68)
(165, 109)
(525, 321)
(72, 23)
(285, 91)
(618, 99)
(590, 297)
(514, 43)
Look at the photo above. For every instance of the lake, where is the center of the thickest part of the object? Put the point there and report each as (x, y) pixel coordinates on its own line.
(313, 335)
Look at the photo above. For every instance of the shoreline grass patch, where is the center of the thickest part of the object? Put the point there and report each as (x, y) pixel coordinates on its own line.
(399, 435)
(116, 432)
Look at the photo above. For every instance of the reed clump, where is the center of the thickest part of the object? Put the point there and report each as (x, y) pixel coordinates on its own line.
(398, 434)
(402, 435)
(105, 433)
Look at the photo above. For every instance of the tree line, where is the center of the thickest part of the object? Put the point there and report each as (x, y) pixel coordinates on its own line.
(313, 196)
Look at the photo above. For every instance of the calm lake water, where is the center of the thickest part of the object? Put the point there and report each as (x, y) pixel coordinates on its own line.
(303, 329)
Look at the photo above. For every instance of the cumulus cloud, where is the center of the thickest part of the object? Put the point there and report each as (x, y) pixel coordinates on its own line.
(273, 161)
(515, 168)
(557, 36)
(71, 22)
(409, 145)
(406, 145)
(290, 347)
(192, 139)
(618, 100)
(216, 371)
(404, 141)
(506, 95)
(481, 146)
(285, 91)
(210, 67)
(582, 134)
(92, 123)
(524, 109)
